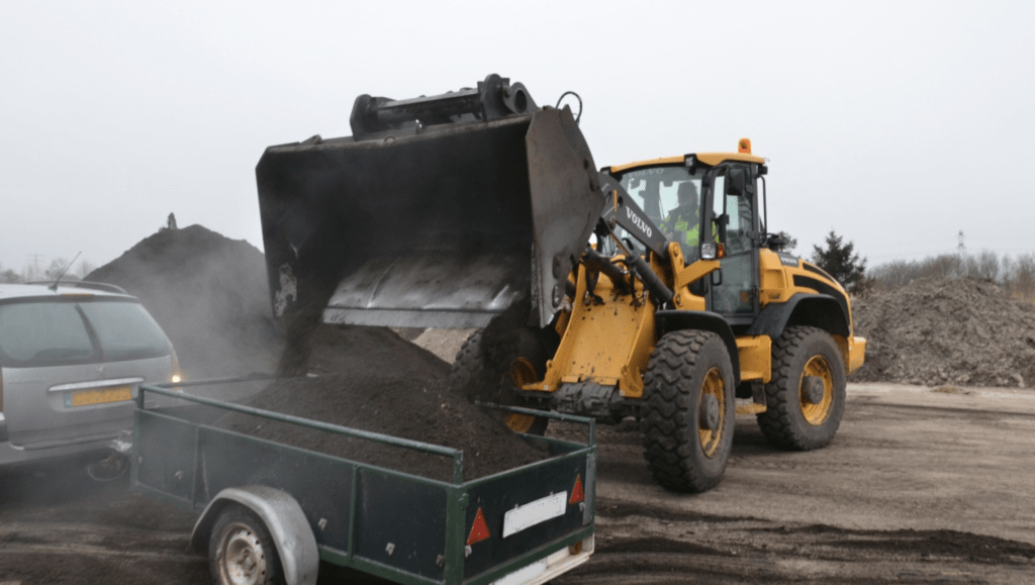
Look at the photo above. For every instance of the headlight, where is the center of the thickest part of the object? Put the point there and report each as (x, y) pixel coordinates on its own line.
(709, 251)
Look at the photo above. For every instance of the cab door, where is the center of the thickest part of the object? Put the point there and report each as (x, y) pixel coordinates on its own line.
(734, 292)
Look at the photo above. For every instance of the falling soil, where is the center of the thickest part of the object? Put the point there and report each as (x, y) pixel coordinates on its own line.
(947, 331)
(371, 379)
(210, 295)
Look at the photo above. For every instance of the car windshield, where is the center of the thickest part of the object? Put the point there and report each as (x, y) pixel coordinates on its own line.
(55, 332)
(670, 196)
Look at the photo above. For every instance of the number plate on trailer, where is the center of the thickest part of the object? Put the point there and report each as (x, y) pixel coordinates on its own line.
(99, 396)
(533, 513)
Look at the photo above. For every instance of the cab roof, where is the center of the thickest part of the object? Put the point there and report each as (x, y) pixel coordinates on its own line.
(708, 158)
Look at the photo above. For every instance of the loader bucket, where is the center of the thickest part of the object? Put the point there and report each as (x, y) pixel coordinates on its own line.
(443, 225)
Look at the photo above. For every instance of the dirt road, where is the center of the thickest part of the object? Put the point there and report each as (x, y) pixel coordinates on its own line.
(918, 487)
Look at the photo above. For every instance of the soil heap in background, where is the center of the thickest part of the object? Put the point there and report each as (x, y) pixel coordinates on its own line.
(369, 378)
(947, 331)
(210, 295)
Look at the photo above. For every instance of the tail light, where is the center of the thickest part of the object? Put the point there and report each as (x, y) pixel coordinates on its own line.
(177, 374)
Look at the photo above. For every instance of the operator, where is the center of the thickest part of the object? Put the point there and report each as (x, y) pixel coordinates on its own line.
(683, 223)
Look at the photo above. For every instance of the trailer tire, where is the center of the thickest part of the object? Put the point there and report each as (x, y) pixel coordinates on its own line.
(524, 363)
(241, 551)
(800, 415)
(688, 410)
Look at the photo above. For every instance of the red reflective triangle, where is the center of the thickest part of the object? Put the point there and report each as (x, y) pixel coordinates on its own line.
(577, 493)
(479, 530)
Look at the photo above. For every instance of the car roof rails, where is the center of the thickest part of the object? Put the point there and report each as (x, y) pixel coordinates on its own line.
(101, 286)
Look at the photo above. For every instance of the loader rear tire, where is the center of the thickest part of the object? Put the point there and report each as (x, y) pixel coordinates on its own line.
(688, 410)
(497, 382)
(800, 415)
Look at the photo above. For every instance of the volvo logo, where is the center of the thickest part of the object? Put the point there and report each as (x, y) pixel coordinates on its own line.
(638, 222)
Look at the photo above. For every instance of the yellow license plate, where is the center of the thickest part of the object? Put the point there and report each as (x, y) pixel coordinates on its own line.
(102, 396)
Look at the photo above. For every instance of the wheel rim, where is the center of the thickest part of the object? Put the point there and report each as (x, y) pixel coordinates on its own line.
(715, 387)
(243, 560)
(816, 413)
(521, 372)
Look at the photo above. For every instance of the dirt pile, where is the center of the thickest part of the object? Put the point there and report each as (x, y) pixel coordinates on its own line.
(210, 295)
(947, 331)
(371, 379)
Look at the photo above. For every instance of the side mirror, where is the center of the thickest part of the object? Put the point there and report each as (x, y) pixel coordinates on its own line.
(736, 181)
(775, 242)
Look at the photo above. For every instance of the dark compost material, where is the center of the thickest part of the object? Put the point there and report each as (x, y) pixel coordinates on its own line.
(371, 379)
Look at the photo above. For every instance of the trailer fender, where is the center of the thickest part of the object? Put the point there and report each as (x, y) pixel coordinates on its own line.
(285, 521)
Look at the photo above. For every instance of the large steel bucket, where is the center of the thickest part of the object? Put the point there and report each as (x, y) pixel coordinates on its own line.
(436, 226)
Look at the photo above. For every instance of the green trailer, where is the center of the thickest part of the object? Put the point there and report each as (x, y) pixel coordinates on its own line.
(270, 512)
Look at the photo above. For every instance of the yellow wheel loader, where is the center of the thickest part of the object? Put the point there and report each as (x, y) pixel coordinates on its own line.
(685, 305)
(650, 290)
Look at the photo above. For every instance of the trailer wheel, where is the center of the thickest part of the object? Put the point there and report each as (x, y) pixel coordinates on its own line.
(688, 410)
(241, 552)
(806, 396)
(498, 382)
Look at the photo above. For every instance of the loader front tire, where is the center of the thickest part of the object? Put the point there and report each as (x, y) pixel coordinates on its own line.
(806, 397)
(688, 410)
(497, 382)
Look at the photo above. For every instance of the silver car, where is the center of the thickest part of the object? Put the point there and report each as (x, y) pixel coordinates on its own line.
(71, 360)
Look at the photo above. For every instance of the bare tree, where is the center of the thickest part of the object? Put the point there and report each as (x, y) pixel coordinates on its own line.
(988, 265)
(59, 268)
(32, 272)
(8, 276)
(85, 268)
(1023, 280)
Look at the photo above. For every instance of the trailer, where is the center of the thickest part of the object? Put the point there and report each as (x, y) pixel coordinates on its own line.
(270, 512)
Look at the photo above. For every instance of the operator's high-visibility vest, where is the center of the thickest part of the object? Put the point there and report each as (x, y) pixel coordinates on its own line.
(678, 226)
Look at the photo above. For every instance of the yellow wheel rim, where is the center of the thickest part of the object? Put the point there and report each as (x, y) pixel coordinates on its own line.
(816, 414)
(714, 386)
(521, 372)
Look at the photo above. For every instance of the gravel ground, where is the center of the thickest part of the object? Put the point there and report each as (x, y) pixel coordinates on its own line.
(918, 487)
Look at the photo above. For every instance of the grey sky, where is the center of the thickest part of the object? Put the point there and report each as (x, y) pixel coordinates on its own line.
(896, 124)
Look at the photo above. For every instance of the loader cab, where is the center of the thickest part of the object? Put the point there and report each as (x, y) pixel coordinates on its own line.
(726, 212)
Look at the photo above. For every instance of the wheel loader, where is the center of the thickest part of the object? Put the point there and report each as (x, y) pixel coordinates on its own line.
(651, 290)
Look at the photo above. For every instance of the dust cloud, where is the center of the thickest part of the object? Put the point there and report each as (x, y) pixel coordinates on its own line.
(210, 295)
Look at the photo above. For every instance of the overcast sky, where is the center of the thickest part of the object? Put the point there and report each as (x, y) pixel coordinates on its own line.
(896, 124)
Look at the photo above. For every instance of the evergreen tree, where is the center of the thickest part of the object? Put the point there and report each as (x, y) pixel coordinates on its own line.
(791, 242)
(839, 260)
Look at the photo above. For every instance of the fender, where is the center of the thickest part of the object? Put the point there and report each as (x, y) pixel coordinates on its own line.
(823, 311)
(285, 521)
(666, 321)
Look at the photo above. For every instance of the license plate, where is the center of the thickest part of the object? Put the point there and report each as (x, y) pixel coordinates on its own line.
(533, 513)
(101, 396)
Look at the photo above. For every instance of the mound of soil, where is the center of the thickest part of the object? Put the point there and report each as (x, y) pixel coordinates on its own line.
(210, 295)
(947, 331)
(372, 379)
